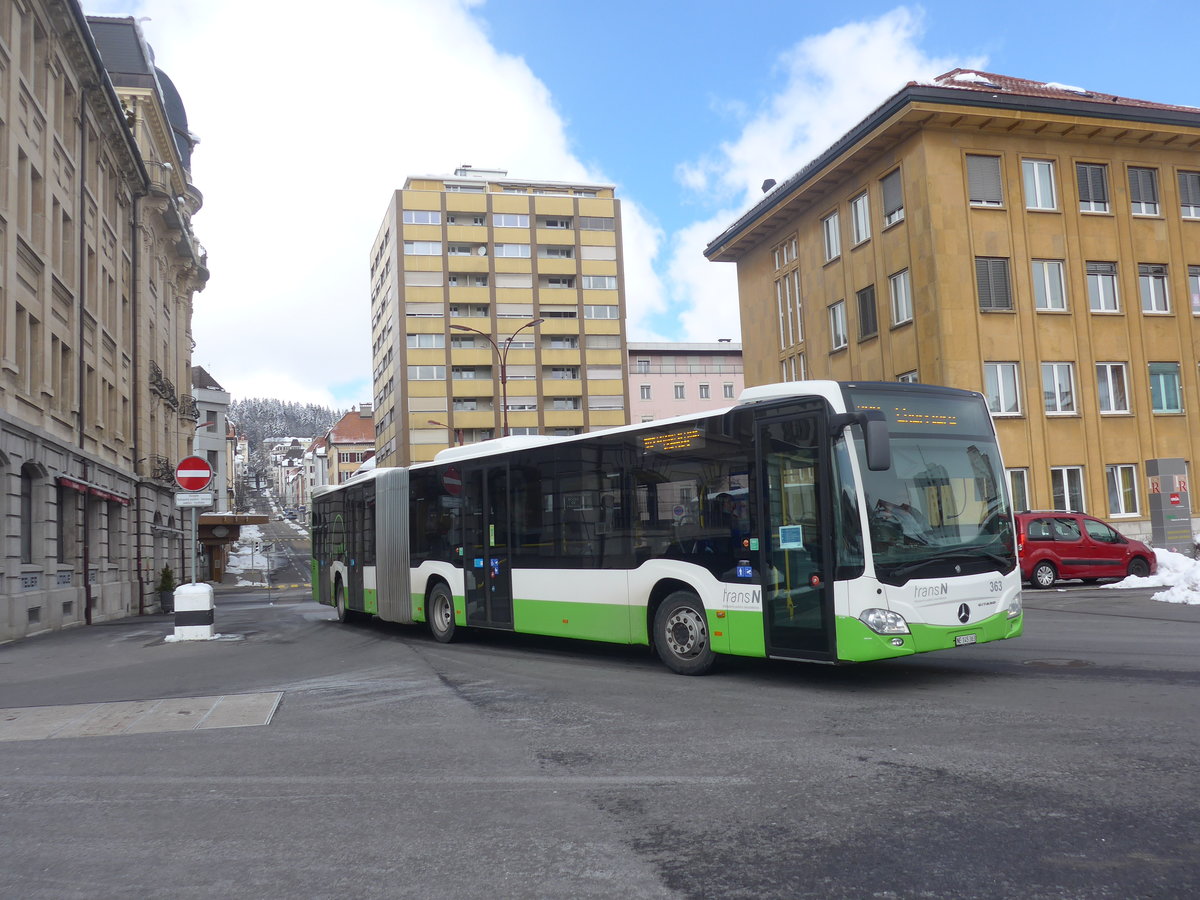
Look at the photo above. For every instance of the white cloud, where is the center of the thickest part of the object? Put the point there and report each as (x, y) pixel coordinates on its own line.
(830, 83)
(308, 122)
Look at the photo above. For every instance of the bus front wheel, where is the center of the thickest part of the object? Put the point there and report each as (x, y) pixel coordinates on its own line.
(681, 635)
(441, 614)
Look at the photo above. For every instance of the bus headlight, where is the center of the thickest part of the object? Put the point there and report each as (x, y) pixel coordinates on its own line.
(1014, 605)
(884, 621)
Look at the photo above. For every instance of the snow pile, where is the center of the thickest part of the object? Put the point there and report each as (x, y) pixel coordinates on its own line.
(242, 556)
(1176, 572)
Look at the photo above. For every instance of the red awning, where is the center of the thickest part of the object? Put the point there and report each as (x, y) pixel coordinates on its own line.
(86, 487)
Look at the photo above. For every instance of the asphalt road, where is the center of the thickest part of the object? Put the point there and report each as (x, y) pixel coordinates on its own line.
(1059, 765)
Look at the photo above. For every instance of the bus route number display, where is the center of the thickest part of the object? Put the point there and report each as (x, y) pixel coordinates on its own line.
(674, 441)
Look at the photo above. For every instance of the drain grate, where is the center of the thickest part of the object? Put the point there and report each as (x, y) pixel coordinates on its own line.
(36, 723)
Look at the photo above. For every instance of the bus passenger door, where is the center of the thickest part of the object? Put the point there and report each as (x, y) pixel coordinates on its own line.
(486, 557)
(796, 559)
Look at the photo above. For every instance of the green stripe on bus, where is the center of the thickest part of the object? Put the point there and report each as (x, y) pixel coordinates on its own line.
(316, 580)
(371, 601)
(591, 621)
(858, 643)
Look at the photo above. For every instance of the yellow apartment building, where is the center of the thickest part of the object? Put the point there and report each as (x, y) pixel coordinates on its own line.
(1036, 242)
(497, 304)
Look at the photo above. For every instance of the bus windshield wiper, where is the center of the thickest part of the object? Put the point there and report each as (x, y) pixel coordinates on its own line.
(1004, 562)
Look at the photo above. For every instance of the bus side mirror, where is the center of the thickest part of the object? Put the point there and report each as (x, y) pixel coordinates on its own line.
(875, 435)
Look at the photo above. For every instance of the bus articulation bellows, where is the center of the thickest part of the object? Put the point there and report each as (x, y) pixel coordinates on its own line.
(820, 521)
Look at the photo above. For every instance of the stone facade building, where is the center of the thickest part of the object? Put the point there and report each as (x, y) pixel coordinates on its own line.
(98, 266)
(1036, 242)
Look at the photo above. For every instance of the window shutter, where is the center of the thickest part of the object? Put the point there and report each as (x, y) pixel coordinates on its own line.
(983, 179)
(1142, 186)
(1189, 188)
(1093, 183)
(1101, 268)
(991, 276)
(893, 195)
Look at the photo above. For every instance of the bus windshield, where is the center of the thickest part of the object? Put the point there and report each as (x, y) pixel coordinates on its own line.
(941, 509)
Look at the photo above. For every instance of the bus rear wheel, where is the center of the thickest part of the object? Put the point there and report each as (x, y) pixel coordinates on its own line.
(681, 635)
(440, 612)
(339, 603)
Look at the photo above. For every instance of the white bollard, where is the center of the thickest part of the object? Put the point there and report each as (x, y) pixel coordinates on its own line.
(193, 612)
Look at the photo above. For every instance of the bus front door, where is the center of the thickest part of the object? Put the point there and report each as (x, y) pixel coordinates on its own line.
(796, 558)
(486, 556)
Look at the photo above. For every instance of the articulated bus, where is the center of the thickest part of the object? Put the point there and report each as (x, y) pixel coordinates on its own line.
(820, 521)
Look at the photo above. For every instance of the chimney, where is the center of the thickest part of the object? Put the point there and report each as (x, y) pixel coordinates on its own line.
(365, 410)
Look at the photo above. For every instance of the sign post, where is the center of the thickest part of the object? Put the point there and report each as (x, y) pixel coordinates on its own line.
(193, 474)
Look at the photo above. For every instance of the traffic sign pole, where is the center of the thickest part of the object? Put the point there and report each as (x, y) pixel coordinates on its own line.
(194, 474)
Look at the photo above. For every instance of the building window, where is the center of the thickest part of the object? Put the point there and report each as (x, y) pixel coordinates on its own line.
(598, 282)
(833, 239)
(901, 290)
(983, 181)
(597, 223)
(727, 391)
(1066, 483)
(1122, 490)
(559, 282)
(1092, 179)
(679, 392)
(426, 341)
(860, 218)
(643, 366)
(510, 220)
(1058, 387)
(29, 475)
(704, 395)
(1038, 175)
(991, 278)
(1112, 387)
(1018, 488)
(553, 222)
(908, 377)
(1102, 287)
(602, 312)
(1001, 387)
(1152, 285)
(422, 217)
(422, 248)
(645, 392)
(893, 198)
(1194, 288)
(1189, 194)
(1143, 191)
(837, 326)
(1048, 290)
(518, 251)
(460, 249)
(1164, 388)
(868, 320)
(426, 373)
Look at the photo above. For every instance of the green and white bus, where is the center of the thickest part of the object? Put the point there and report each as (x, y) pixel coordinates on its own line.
(820, 521)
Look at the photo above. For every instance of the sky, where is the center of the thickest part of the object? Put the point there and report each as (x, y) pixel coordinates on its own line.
(311, 114)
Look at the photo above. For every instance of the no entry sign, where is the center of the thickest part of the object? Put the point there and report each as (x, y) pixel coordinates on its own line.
(193, 474)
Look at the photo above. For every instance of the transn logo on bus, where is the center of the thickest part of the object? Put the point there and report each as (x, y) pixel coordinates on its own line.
(741, 598)
(931, 590)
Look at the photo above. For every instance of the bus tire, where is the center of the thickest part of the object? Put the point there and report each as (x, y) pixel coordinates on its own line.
(440, 607)
(681, 634)
(344, 614)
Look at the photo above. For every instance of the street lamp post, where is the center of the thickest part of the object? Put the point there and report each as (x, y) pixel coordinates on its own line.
(502, 359)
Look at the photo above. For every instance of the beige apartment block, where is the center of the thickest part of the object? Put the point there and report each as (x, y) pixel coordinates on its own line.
(97, 270)
(1037, 242)
(489, 291)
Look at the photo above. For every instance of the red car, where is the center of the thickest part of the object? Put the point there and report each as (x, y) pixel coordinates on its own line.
(1058, 545)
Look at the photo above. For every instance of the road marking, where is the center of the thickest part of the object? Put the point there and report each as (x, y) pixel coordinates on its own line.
(36, 723)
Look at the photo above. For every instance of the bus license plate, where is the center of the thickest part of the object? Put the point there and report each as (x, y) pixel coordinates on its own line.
(964, 639)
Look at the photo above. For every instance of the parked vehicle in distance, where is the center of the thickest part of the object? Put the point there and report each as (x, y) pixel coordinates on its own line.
(290, 514)
(1055, 545)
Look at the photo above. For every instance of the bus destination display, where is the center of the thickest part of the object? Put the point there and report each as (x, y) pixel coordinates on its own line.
(674, 441)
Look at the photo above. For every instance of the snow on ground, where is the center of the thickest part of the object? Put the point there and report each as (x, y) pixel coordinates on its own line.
(1176, 572)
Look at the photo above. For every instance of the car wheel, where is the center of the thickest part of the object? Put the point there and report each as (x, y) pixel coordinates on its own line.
(440, 613)
(1138, 567)
(681, 635)
(1044, 575)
